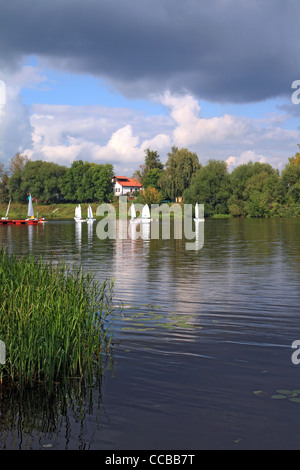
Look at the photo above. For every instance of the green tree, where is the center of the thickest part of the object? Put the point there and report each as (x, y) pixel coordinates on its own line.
(239, 179)
(296, 159)
(88, 182)
(99, 180)
(210, 186)
(43, 180)
(152, 161)
(151, 170)
(291, 178)
(18, 162)
(152, 178)
(4, 190)
(16, 166)
(179, 170)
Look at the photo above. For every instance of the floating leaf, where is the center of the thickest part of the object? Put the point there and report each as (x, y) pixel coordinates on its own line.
(295, 400)
(284, 392)
(259, 393)
(279, 397)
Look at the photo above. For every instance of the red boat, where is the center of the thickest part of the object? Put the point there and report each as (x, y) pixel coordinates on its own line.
(31, 220)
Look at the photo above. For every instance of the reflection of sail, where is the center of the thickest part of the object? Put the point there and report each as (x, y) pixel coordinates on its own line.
(90, 233)
(122, 229)
(30, 236)
(78, 231)
(145, 231)
(134, 231)
(199, 236)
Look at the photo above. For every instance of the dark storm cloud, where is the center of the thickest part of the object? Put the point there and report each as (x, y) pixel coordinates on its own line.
(227, 50)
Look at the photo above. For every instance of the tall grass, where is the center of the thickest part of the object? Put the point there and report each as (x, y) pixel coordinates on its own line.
(54, 321)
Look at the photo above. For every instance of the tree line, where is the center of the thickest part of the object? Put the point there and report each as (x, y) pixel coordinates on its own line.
(251, 189)
(52, 183)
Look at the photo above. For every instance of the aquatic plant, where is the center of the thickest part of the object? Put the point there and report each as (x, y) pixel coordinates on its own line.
(291, 395)
(54, 321)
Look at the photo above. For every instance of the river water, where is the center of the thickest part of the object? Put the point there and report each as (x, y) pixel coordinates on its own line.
(201, 348)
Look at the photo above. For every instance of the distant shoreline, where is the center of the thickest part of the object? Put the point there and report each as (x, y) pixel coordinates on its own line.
(67, 211)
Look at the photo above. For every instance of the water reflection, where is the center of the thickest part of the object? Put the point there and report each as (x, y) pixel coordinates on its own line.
(201, 330)
(34, 418)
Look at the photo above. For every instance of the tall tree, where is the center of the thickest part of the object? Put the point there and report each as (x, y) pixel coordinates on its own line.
(16, 166)
(210, 186)
(291, 178)
(179, 170)
(18, 162)
(88, 182)
(43, 180)
(152, 165)
(239, 178)
(4, 191)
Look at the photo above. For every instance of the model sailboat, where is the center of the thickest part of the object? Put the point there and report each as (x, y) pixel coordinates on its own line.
(30, 220)
(30, 211)
(133, 218)
(78, 217)
(146, 214)
(7, 211)
(199, 213)
(90, 218)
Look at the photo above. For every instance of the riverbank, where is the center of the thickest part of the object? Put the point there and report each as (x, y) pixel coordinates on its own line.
(51, 211)
(54, 321)
(67, 211)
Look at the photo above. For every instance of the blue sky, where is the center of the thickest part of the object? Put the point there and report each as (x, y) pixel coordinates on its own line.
(104, 80)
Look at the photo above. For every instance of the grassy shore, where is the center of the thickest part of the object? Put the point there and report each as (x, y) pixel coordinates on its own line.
(54, 321)
(51, 211)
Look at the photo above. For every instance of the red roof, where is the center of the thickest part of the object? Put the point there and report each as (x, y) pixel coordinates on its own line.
(124, 181)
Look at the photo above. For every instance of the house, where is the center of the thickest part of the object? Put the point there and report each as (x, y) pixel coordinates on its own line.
(124, 185)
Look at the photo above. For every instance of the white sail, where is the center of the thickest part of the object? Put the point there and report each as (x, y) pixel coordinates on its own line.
(78, 212)
(30, 212)
(132, 211)
(146, 212)
(90, 212)
(7, 210)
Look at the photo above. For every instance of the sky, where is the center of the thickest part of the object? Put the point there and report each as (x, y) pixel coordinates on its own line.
(103, 80)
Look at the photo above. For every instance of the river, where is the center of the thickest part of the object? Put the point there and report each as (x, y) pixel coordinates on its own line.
(202, 346)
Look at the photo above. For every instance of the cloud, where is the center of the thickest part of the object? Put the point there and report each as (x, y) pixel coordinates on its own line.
(244, 158)
(192, 129)
(63, 134)
(219, 50)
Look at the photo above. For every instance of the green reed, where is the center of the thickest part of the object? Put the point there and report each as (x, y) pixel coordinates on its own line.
(54, 321)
